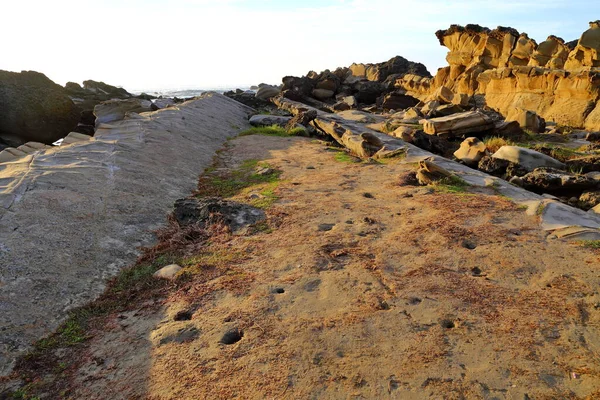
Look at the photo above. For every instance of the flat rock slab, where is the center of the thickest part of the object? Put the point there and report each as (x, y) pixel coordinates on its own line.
(527, 158)
(72, 217)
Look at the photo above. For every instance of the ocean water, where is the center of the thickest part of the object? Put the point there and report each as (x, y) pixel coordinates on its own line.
(185, 93)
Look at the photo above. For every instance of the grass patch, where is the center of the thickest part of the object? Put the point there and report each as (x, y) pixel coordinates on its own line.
(494, 143)
(230, 183)
(273, 130)
(591, 244)
(452, 184)
(342, 156)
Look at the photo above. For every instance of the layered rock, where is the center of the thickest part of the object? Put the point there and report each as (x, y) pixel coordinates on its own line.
(508, 71)
(33, 108)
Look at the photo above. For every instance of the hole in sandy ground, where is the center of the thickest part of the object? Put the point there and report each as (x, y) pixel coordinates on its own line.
(232, 336)
(467, 244)
(447, 324)
(368, 195)
(183, 316)
(278, 290)
(476, 271)
(413, 301)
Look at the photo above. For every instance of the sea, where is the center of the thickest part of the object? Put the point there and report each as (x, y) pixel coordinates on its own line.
(186, 93)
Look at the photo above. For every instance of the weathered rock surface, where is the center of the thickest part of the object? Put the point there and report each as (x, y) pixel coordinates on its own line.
(115, 110)
(549, 180)
(526, 158)
(33, 108)
(265, 92)
(471, 151)
(268, 120)
(213, 209)
(73, 216)
(458, 124)
(509, 70)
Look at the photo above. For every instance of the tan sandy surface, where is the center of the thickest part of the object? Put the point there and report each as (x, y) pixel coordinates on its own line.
(412, 294)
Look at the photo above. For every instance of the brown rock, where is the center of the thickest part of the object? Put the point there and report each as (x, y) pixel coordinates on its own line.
(471, 151)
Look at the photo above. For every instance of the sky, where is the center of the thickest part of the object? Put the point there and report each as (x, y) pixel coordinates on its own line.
(175, 44)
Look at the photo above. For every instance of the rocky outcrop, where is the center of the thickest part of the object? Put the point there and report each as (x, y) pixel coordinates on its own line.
(115, 110)
(33, 108)
(73, 216)
(365, 83)
(382, 71)
(508, 71)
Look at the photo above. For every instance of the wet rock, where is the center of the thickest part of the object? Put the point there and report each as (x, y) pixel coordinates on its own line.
(526, 158)
(213, 209)
(471, 151)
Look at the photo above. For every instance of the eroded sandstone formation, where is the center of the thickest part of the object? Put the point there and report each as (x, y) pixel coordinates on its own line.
(507, 70)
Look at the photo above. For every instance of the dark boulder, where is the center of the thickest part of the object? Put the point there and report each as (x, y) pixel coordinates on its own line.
(33, 108)
(367, 92)
(216, 210)
(397, 101)
(554, 181)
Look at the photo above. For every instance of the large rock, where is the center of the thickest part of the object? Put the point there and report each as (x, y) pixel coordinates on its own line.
(268, 120)
(526, 158)
(471, 151)
(549, 180)
(115, 110)
(458, 124)
(527, 120)
(33, 108)
(506, 69)
(73, 217)
(107, 90)
(265, 92)
(396, 65)
(398, 101)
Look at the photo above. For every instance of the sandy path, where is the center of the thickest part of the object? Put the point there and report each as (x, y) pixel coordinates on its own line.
(411, 294)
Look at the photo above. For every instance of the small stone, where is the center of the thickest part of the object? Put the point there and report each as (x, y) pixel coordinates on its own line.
(262, 171)
(168, 272)
(326, 227)
(310, 167)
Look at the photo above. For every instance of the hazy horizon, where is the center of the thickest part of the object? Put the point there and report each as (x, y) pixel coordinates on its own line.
(155, 45)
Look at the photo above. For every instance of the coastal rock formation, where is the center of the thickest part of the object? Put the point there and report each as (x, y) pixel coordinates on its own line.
(363, 83)
(73, 216)
(508, 70)
(115, 110)
(33, 108)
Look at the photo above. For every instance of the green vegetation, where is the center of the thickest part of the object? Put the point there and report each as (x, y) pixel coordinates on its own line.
(228, 184)
(273, 130)
(452, 184)
(342, 156)
(494, 143)
(591, 244)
